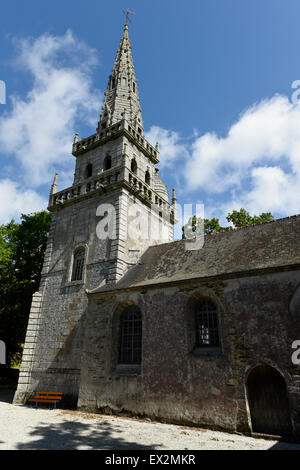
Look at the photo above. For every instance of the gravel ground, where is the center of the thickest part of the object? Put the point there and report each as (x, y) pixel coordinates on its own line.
(22, 427)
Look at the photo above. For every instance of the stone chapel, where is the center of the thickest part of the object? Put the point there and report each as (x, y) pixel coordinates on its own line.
(128, 321)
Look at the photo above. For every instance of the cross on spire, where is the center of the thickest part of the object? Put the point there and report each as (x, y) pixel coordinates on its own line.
(127, 13)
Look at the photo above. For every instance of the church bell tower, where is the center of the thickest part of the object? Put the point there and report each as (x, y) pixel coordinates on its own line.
(118, 160)
(115, 209)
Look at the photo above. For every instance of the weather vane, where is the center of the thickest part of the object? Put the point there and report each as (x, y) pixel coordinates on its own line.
(127, 13)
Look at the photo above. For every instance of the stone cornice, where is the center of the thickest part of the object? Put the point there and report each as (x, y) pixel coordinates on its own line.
(108, 181)
(122, 128)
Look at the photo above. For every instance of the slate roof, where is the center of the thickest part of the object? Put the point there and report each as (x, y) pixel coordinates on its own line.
(255, 247)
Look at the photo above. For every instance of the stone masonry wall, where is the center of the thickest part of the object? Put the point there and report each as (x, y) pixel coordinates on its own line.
(52, 353)
(58, 309)
(175, 384)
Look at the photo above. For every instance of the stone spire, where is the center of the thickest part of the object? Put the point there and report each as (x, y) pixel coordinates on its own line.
(121, 97)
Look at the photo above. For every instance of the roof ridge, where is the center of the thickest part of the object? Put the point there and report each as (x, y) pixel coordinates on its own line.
(230, 230)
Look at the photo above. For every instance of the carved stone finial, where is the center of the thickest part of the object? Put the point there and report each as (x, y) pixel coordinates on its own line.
(54, 185)
(76, 138)
(173, 196)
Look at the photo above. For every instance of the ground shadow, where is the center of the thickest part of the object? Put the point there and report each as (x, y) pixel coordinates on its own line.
(8, 384)
(7, 394)
(285, 446)
(74, 435)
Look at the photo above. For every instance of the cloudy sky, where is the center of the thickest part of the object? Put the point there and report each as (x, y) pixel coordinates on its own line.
(218, 82)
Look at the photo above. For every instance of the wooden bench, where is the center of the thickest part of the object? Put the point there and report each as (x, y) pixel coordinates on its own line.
(46, 397)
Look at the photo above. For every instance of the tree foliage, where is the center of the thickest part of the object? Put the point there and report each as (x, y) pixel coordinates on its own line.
(240, 218)
(22, 248)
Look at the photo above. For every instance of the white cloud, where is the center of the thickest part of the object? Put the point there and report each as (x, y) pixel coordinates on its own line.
(14, 201)
(268, 132)
(38, 130)
(272, 190)
(256, 165)
(169, 143)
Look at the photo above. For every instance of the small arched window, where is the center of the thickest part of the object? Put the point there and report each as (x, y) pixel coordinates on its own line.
(130, 346)
(107, 162)
(89, 170)
(207, 328)
(147, 177)
(133, 166)
(78, 263)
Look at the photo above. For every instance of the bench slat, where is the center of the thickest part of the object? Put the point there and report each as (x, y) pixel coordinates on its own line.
(41, 400)
(45, 398)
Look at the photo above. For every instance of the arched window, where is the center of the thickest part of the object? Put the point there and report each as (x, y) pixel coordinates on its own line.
(147, 177)
(78, 263)
(130, 350)
(89, 170)
(207, 330)
(107, 162)
(133, 166)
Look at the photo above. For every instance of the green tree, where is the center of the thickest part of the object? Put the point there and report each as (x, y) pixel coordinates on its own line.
(212, 225)
(196, 224)
(22, 248)
(242, 218)
(239, 218)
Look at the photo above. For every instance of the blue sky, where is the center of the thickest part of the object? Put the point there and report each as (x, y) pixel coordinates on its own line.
(214, 80)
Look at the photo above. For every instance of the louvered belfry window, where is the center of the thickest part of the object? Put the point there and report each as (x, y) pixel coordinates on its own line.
(133, 166)
(89, 170)
(207, 330)
(78, 264)
(107, 163)
(130, 351)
